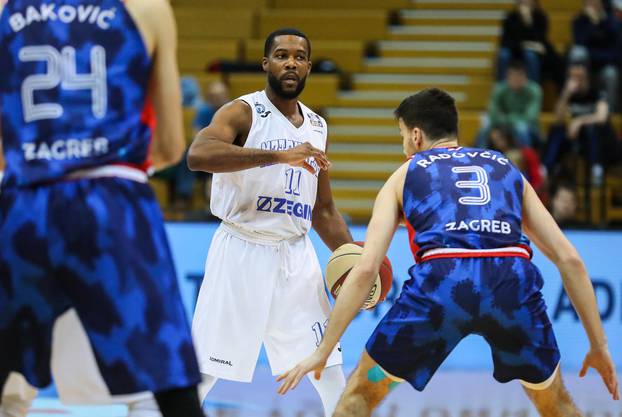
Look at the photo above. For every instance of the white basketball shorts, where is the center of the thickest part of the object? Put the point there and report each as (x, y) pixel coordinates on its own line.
(257, 291)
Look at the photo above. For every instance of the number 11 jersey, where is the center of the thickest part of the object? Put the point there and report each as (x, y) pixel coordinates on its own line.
(73, 83)
(274, 201)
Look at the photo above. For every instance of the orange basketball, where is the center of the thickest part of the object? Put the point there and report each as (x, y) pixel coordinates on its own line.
(343, 259)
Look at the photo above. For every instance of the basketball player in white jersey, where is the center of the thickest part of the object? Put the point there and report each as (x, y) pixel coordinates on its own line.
(263, 282)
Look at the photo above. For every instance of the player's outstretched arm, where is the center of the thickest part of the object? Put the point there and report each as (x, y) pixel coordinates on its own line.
(164, 88)
(217, 148)
(385, 219)
(540, 227)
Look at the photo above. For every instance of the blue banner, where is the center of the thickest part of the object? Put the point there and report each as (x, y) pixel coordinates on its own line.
(600, 251)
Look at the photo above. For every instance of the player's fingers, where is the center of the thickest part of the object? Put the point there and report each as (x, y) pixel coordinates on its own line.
(583, 370)
(282, 376)
(308, 167)
(318, 374)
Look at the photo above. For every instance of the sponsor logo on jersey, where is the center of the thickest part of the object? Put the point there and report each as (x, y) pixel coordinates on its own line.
(61, 150)
(221, 361)
(284, 206)
(480, 225)
(426, 161)
(315, 120)
(65, 13)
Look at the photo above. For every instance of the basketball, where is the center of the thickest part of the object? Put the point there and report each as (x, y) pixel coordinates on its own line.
(343, 260)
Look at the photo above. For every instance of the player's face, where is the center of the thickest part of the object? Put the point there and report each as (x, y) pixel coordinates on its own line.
(288, 66)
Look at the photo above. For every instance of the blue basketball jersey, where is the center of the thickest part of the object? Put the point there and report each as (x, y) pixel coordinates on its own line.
(463, 198)
(73, 87)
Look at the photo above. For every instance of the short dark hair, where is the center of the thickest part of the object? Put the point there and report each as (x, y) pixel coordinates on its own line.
(517, 65)
(281, 32)
(431, 110)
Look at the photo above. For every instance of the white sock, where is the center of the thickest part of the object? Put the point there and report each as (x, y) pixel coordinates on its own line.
(206, 386)
(144, 408)
(330, 387)
(14, 406)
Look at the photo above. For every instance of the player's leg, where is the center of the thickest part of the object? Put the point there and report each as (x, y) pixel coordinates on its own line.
(551, 398)
(17, 396)
(366, 388)
(298, 317)
(206, 386)
(129, 304)
(329, 387)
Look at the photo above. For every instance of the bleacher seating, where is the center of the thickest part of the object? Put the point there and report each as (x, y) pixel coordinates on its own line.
(448, 44)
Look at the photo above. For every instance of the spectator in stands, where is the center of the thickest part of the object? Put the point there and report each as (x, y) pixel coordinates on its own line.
(514, 104)
(564, 203)
(181, 180)
(596, 34)
(587, 131)
(524, 37)
(217, 95)
(524, 157)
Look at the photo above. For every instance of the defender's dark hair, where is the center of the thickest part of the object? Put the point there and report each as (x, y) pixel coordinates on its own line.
(284, 31)
(431, 110)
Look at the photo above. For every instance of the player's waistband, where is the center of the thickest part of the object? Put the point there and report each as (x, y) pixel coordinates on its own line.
(255, 237)
(439, 253)
(107, 171)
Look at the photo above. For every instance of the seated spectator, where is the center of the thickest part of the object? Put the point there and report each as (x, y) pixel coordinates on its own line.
(181, 180)
(564, 204)
(524, 37)
(582, 125)
(524, 157)
(596, 37)
(514, 104)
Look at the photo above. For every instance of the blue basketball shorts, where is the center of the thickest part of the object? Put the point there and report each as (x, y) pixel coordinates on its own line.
(448, 299)
(99, 246)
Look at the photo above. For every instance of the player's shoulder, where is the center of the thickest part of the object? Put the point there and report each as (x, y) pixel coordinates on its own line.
(316, 120)
(153, 13)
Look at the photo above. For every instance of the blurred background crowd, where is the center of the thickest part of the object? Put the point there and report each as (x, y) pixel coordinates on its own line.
(536, 80)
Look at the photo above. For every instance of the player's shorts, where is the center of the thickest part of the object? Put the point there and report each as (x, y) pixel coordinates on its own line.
(447, 299)
(258, 291)
(99, 246)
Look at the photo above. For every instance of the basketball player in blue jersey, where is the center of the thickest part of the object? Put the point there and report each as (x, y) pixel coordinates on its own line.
(467, 210)
(79, 226)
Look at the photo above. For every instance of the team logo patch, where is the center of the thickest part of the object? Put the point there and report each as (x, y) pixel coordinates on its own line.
(315, 120)
(261, 110)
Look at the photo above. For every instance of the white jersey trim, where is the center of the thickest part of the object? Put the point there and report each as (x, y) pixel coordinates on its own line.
(474, 252)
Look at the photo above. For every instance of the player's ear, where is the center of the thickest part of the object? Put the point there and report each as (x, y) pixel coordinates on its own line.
(264, 64)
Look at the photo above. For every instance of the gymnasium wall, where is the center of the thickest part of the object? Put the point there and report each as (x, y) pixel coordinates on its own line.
(600, 250)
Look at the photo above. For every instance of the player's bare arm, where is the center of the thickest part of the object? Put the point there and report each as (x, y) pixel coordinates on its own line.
(385, 218)
(541, 228)
(326, 219)
(219, 146)
(156, 23)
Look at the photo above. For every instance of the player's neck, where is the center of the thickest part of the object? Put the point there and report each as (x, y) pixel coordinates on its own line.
(444, 143)
(289, 107)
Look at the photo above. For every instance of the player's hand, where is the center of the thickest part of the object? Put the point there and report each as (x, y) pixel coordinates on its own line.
(316, 362)
(298, 155)
(600, 359)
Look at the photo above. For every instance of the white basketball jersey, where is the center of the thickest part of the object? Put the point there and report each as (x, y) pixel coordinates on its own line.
(272, 201)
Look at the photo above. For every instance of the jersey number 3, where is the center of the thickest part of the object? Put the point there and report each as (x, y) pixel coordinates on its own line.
(61, 70)
(480, 184)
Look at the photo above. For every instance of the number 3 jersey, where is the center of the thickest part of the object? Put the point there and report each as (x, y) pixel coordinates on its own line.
(274, 201)
(463, 198)
(73, 83)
